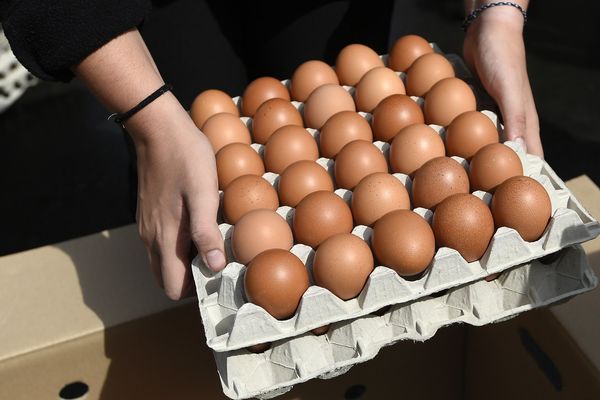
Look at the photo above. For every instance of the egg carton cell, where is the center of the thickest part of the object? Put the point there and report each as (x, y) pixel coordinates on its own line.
(291, 361)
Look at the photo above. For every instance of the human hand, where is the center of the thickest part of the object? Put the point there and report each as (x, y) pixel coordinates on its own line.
(493, 47)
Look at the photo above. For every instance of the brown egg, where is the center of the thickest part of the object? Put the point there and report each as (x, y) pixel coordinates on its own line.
(492, 165)
(523, 204)
(354, 61)
(342, 265)
(468, 133)
(259, 348)
(447, 99)
(425, 72)
(324, 102)
(403, 240)
(356, 160)
(301, 179)
(261, 90)
(376, 85)
(309, 76)
(341, 129)
(394, 113)
(247, 193)
(376, 195)
(257, 231)
(437, 179)
(463, 222)
(319, 216)
(321, 330)
(406, 50)
(413, 146)
(209, 103)
(272, 115)
(223, 128)
(287, 145)
(276, 280)
(237, 159)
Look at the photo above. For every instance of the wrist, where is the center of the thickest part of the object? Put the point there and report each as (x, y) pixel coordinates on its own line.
(511, 16)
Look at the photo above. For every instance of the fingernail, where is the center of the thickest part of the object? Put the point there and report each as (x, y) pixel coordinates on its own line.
(215, 260)
(521, 142)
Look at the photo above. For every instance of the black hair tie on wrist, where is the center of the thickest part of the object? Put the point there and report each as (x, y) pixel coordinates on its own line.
(121, 118)
(475, 13)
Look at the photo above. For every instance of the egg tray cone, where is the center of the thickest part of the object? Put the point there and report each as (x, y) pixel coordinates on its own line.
(307, 356)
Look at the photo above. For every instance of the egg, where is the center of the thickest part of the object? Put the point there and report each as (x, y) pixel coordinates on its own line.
(376, 195)
(235, 160)
(394, 113)
(468, 133)
(261, 90)
(287, 145)
(309, 76)
(259, 348)
(341, 129)
(356, 160)
(321, 330)
(376, 85)
(272, 115)
(324, 102)
(425, 72)
(319, 216)
(492, 165)
(437, 179)
(301, 179)
(463, 222)
(403, 241)
(406, 50)
(342, 265)
(353, 61)
(446, 100)
(257, 231)
(247, 193)
(522, 203)
(224, 128)
(276, 280)
(209, 103)
(413, 146)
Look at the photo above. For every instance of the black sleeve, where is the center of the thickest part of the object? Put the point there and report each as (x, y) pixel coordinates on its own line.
(49, 36)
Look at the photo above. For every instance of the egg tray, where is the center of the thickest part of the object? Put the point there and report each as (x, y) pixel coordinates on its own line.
(291, 361)
(231, 323)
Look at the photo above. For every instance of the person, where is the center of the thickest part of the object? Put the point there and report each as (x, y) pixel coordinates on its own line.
(177, 181)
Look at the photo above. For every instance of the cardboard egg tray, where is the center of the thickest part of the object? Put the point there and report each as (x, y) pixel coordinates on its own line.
(291, 361)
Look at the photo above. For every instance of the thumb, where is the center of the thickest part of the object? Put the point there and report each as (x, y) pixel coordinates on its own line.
(205, 232)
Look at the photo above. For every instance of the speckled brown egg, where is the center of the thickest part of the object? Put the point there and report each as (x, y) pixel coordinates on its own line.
(261, 90)
(425, 72)
(209, 103)
(342, 264)
(341, 129)
(376, 195)
(301, 179)
(406, 50)
(376, 85)
(224, 128)
(324, 102)
(468, 133)
(272, 115)
(309, 76)
(276, 280)
(247, 193)
(356, 160)
(446, 100)
(492, 165)
(413, 146)
(437, 179)
(235, 160)
(523, 204)
(394, 113)
(463, 222)
(287, 145)
(319, 216)
(257, 231)
(353, 61)
(403, 240)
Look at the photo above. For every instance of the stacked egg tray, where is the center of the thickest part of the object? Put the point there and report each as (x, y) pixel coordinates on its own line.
(307, 356)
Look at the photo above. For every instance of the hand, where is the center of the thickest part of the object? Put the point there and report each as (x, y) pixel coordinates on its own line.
(494, 49)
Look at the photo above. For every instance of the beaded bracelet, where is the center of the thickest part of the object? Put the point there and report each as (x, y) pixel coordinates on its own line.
(121, 118)
(475, 13)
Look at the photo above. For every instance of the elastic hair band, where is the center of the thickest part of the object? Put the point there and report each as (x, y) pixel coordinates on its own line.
(121, 118)
(475, 13)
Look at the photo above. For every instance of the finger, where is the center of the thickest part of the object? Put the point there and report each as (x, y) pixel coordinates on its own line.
(204, 229)
(174, 264)
(533, 140)
(155, 263)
